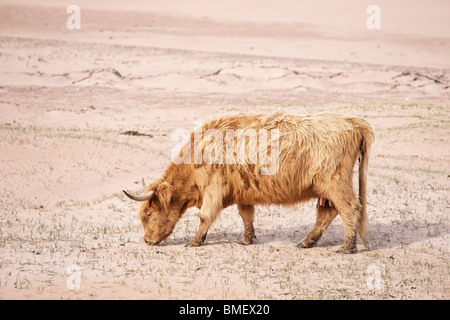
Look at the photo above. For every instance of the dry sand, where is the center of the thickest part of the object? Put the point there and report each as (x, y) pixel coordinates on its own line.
(67, 97)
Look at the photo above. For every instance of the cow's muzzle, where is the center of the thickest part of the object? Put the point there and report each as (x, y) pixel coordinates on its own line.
(151, 242)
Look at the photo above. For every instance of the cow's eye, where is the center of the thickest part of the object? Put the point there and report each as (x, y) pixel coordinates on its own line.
(149, 213)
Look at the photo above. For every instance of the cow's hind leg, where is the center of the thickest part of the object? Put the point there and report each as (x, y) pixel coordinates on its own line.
(349, 209)
(247, 212)
(324, 217)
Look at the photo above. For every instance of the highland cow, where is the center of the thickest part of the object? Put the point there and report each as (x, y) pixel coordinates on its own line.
(284, 160)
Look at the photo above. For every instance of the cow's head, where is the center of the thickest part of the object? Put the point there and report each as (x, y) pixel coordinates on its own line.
(160, 211)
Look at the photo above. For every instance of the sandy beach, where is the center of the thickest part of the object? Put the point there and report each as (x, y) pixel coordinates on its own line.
(85, 113)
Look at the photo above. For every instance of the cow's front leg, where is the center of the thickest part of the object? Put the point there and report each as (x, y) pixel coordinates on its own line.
(209, 211)
(200, 237)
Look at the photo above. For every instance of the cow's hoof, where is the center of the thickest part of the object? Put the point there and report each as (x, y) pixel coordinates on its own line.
(245, 242)
(346, 251)
(192, 244)
(306, 244)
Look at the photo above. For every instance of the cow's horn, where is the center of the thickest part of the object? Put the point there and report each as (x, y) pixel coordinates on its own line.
(146, 196)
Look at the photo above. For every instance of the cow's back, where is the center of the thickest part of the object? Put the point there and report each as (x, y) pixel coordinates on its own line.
(310, 148)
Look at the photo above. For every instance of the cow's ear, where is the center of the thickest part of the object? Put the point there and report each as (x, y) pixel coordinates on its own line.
(164, 194)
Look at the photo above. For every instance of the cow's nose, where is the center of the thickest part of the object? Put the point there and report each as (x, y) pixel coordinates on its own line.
(148, 240)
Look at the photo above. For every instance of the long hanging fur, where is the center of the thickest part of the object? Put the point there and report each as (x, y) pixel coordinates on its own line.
(316, 156)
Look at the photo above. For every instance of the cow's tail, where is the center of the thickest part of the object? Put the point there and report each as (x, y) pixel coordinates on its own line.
(367, 138)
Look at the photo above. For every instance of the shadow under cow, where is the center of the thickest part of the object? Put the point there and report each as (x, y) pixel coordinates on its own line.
(382, 235)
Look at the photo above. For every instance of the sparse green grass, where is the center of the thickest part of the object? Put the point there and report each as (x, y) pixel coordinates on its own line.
(30, 135)
(408, 230)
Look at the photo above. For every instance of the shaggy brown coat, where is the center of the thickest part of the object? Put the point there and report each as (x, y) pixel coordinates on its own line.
(317, 154)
